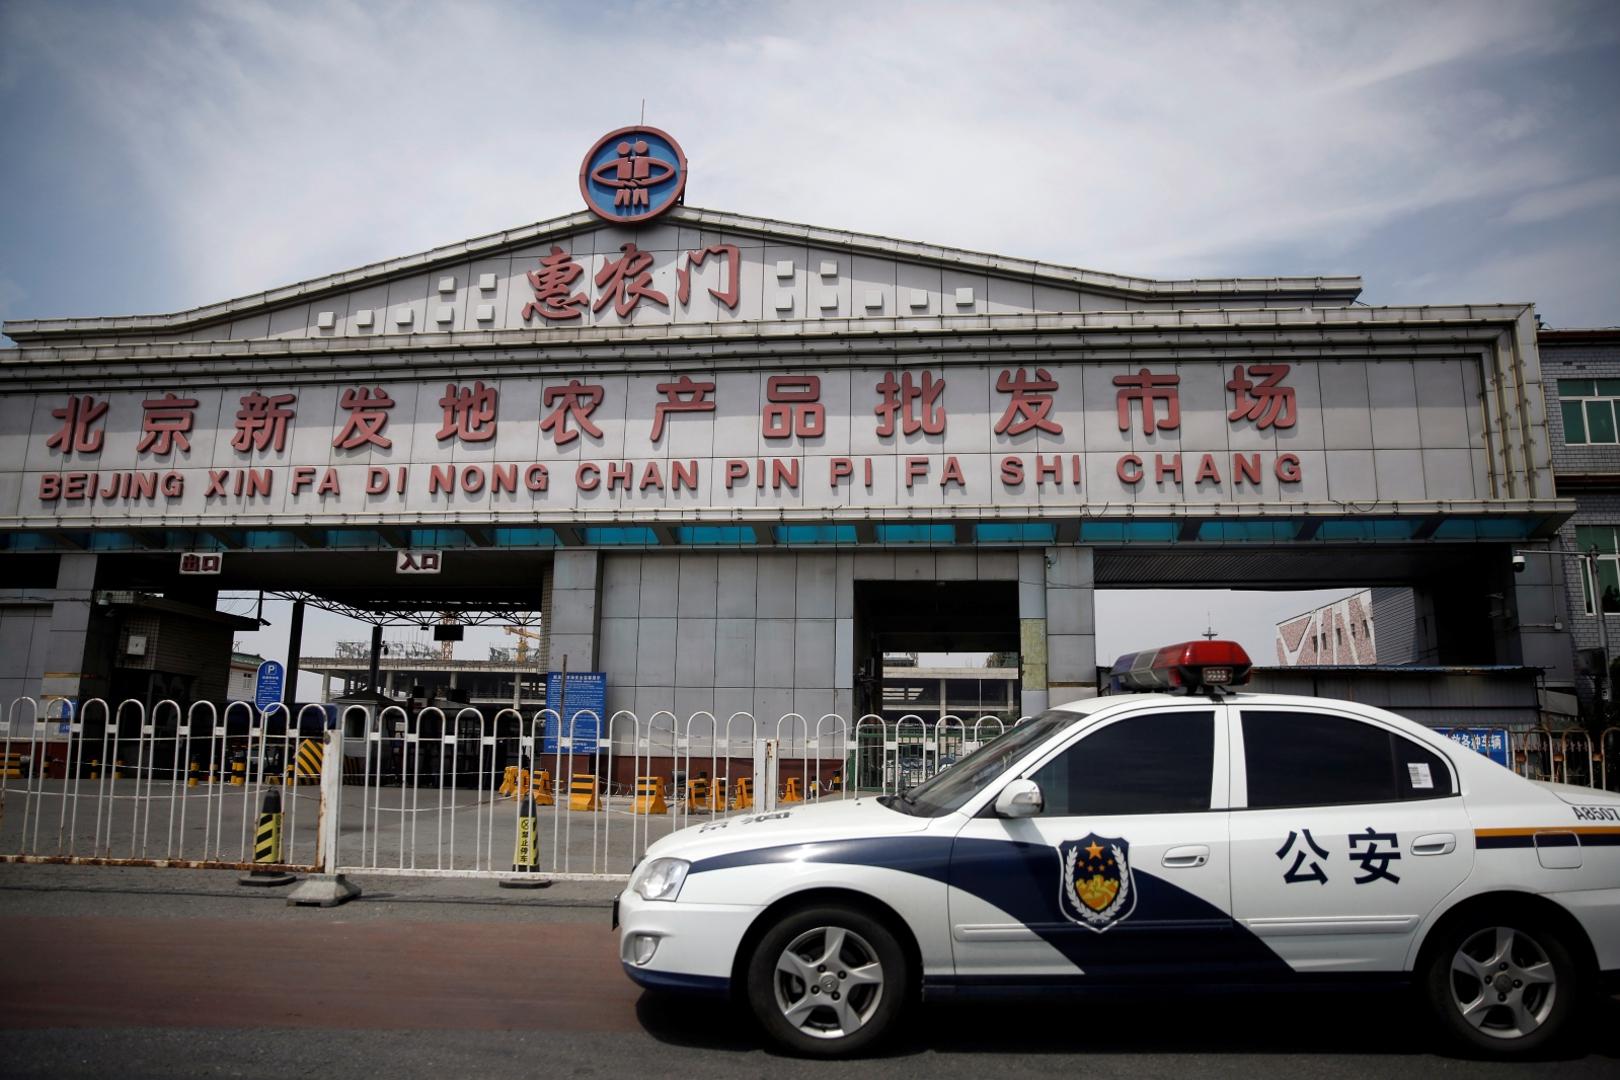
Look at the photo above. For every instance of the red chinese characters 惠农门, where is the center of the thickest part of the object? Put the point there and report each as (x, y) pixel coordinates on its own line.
(1149, 390)
(793, 407)
(78, 433)
(730, 278)
(261, 422)
(368, 415)
(469, 413)
(624, 281)
(1268, 403)
(574, 401)
(166, 424)
(551, 283)
(913, 403)
(681, 396)
(1031, 405)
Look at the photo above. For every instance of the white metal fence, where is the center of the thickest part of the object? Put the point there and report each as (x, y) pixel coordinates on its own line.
(428, 792)
(450, 793)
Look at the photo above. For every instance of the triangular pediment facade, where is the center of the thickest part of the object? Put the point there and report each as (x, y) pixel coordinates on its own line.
(691, 266)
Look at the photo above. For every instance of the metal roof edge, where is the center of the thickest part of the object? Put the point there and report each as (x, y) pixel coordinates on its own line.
(1338, 287)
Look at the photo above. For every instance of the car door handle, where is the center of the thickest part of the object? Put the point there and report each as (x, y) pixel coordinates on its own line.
(1187, 855)
(1439, 843)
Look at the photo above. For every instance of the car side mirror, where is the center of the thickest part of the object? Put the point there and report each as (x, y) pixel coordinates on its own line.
(1020, 798)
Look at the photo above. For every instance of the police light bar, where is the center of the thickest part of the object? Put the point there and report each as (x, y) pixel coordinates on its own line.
(1192, 665)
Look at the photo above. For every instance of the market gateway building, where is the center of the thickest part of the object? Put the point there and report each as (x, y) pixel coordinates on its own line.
(733, 461)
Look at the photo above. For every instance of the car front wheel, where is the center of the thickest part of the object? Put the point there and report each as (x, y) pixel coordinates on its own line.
(828, 981)
(1503, 984)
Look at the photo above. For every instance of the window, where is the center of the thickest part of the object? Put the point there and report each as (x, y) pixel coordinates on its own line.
(1313, 759)
(1588, 408)
(1602, 537)
(1155, 764)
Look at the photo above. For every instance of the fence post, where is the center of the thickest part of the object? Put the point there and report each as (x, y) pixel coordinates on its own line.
(328, 888)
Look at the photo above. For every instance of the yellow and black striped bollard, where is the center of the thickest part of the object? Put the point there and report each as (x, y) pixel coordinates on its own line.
(526, 850)
(267, 844)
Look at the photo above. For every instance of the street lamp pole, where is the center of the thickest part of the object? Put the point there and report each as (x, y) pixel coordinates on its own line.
(1591, 557)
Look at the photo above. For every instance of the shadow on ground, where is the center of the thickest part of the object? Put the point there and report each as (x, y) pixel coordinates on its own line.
(1236, 1024)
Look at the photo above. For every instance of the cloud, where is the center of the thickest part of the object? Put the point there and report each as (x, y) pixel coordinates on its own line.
(1553, 203)
(283, 142)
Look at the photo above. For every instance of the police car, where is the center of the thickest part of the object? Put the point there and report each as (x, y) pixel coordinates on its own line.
(1199, 837)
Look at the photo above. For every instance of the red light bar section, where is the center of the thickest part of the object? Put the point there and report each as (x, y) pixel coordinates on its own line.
(1191, 664)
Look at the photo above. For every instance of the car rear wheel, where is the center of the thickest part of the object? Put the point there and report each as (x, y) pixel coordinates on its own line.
(1503, 984)
(828, 981)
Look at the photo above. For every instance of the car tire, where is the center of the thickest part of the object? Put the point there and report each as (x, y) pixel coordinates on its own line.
(828, 981)
(1502, 983)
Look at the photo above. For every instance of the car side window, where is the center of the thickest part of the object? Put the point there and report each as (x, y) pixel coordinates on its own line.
(1296, 758)
(1159, 763)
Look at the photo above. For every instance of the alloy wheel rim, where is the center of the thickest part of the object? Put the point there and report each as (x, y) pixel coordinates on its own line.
(1503, 983)
(828, 982)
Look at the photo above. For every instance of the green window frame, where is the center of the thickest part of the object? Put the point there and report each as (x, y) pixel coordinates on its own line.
(1588, 407)
(1606, 539)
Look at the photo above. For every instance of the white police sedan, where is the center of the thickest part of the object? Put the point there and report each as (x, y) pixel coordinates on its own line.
(1201, 838)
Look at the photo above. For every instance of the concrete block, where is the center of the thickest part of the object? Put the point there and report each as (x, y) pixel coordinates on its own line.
(1071, 659)
(813, 652)
(998, 565)
(734, 652)
(914, 566)
(660, 586)
(695, 658)
(573, 611)
(874, 566)
(621, 586)
(956, 566)
(773, 652)
(697, 585)
(816, 586)
(776, 588)
(619, 642)
(655, 652)
(574, 570)
(1070, 611)
(735, 586)
(1068, 567)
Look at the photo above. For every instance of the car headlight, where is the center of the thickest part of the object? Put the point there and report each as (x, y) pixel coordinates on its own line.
(660, 879)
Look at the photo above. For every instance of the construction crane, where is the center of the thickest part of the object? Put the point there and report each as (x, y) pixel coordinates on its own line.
(524, 636)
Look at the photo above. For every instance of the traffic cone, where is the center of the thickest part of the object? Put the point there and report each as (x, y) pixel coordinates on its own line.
(267, 844)
(526, 850)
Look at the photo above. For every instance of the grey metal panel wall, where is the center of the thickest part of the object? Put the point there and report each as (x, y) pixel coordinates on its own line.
(1394, 619)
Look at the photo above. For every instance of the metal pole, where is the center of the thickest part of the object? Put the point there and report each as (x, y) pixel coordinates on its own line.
(376, 656)
(1606, 694)
(295, 651)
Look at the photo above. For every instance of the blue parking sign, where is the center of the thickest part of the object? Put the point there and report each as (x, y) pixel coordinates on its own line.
(268, 687)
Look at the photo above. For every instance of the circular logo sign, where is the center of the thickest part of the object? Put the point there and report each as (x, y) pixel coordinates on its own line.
(633, 175)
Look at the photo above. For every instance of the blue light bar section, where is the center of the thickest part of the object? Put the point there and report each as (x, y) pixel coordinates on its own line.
(1001, 532)
(1127, 532)
(814, 534)
(1366, 529)
(1248, 529)
(715, 534)
(917, 534)
(525, 538)
(606, 535)
(1496, 528)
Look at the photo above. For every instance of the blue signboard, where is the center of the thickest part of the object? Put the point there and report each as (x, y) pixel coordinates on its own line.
(1492, 742)
(586, 710)
(268, 687)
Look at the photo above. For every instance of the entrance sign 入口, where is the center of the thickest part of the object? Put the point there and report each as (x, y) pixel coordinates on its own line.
(583, 713)
(418, 562)
(201, 562)
(269, 684)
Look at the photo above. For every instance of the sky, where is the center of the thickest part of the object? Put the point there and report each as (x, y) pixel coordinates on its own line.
(161, 155)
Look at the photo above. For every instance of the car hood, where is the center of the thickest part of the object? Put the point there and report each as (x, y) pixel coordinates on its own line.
(799, 824)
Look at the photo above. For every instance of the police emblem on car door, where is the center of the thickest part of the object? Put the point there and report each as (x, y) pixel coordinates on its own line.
(1097, 890)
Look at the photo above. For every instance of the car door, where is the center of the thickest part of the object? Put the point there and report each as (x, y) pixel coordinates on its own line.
(1345, 834)
(1124, 873)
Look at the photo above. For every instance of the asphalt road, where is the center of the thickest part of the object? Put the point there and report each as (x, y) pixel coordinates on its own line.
(160, 973)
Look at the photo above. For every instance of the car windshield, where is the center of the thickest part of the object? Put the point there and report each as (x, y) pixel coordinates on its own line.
(948, 790)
